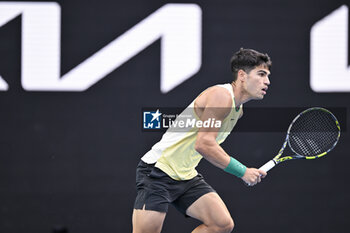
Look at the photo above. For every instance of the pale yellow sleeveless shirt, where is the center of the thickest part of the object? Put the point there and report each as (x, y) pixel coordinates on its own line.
(175, 155)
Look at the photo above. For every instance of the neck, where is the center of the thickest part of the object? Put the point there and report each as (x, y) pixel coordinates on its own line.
(241, 96)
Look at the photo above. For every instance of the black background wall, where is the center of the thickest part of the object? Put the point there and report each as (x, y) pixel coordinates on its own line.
(69, 158)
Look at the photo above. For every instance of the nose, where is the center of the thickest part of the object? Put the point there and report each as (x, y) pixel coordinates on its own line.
(267, 81)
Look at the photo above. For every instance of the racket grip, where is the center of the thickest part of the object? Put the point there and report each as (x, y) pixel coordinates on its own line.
(268, 166)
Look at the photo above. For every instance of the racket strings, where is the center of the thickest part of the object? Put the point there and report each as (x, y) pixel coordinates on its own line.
(313, 133)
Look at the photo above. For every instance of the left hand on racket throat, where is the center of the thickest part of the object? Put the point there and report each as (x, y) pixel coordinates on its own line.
(252, 176)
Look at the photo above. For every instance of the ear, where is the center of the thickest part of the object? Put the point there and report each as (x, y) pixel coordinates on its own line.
(241, 75)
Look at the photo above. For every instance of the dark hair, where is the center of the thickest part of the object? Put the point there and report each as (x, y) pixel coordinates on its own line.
(247, 60)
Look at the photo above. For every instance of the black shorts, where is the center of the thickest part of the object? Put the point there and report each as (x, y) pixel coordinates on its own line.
(155, 190)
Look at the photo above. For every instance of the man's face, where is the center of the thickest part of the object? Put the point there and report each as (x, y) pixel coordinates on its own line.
(257, 81)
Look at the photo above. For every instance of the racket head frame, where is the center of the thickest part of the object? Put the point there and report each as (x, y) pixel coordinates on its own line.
(278, 159)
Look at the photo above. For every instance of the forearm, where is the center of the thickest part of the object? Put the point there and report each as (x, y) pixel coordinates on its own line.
(214, 153)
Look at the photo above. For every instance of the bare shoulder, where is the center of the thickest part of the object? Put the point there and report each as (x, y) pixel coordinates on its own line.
(216, 96)
(214, 102)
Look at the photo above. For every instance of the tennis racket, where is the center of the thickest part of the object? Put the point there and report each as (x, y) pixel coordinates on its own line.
(311, 135)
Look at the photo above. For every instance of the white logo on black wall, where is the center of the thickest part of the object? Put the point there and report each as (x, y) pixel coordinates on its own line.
(329, 69)
(41, 46)
(180, 48)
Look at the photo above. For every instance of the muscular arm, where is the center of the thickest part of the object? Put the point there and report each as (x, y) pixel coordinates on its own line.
(217, 103)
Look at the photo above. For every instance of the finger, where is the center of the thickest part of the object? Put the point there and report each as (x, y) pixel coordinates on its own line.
(253, 181)
(262, 173)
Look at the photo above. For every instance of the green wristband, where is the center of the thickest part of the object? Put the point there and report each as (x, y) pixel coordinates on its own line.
(235, 168)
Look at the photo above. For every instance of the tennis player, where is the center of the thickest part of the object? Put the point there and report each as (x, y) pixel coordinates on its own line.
(167, 173)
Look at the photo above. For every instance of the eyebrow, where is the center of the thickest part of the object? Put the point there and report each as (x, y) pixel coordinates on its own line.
(263, 71)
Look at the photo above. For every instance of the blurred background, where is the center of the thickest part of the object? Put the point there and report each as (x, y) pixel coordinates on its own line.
(69, 150)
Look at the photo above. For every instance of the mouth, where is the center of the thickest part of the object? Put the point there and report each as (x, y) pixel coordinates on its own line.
(264, 90)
